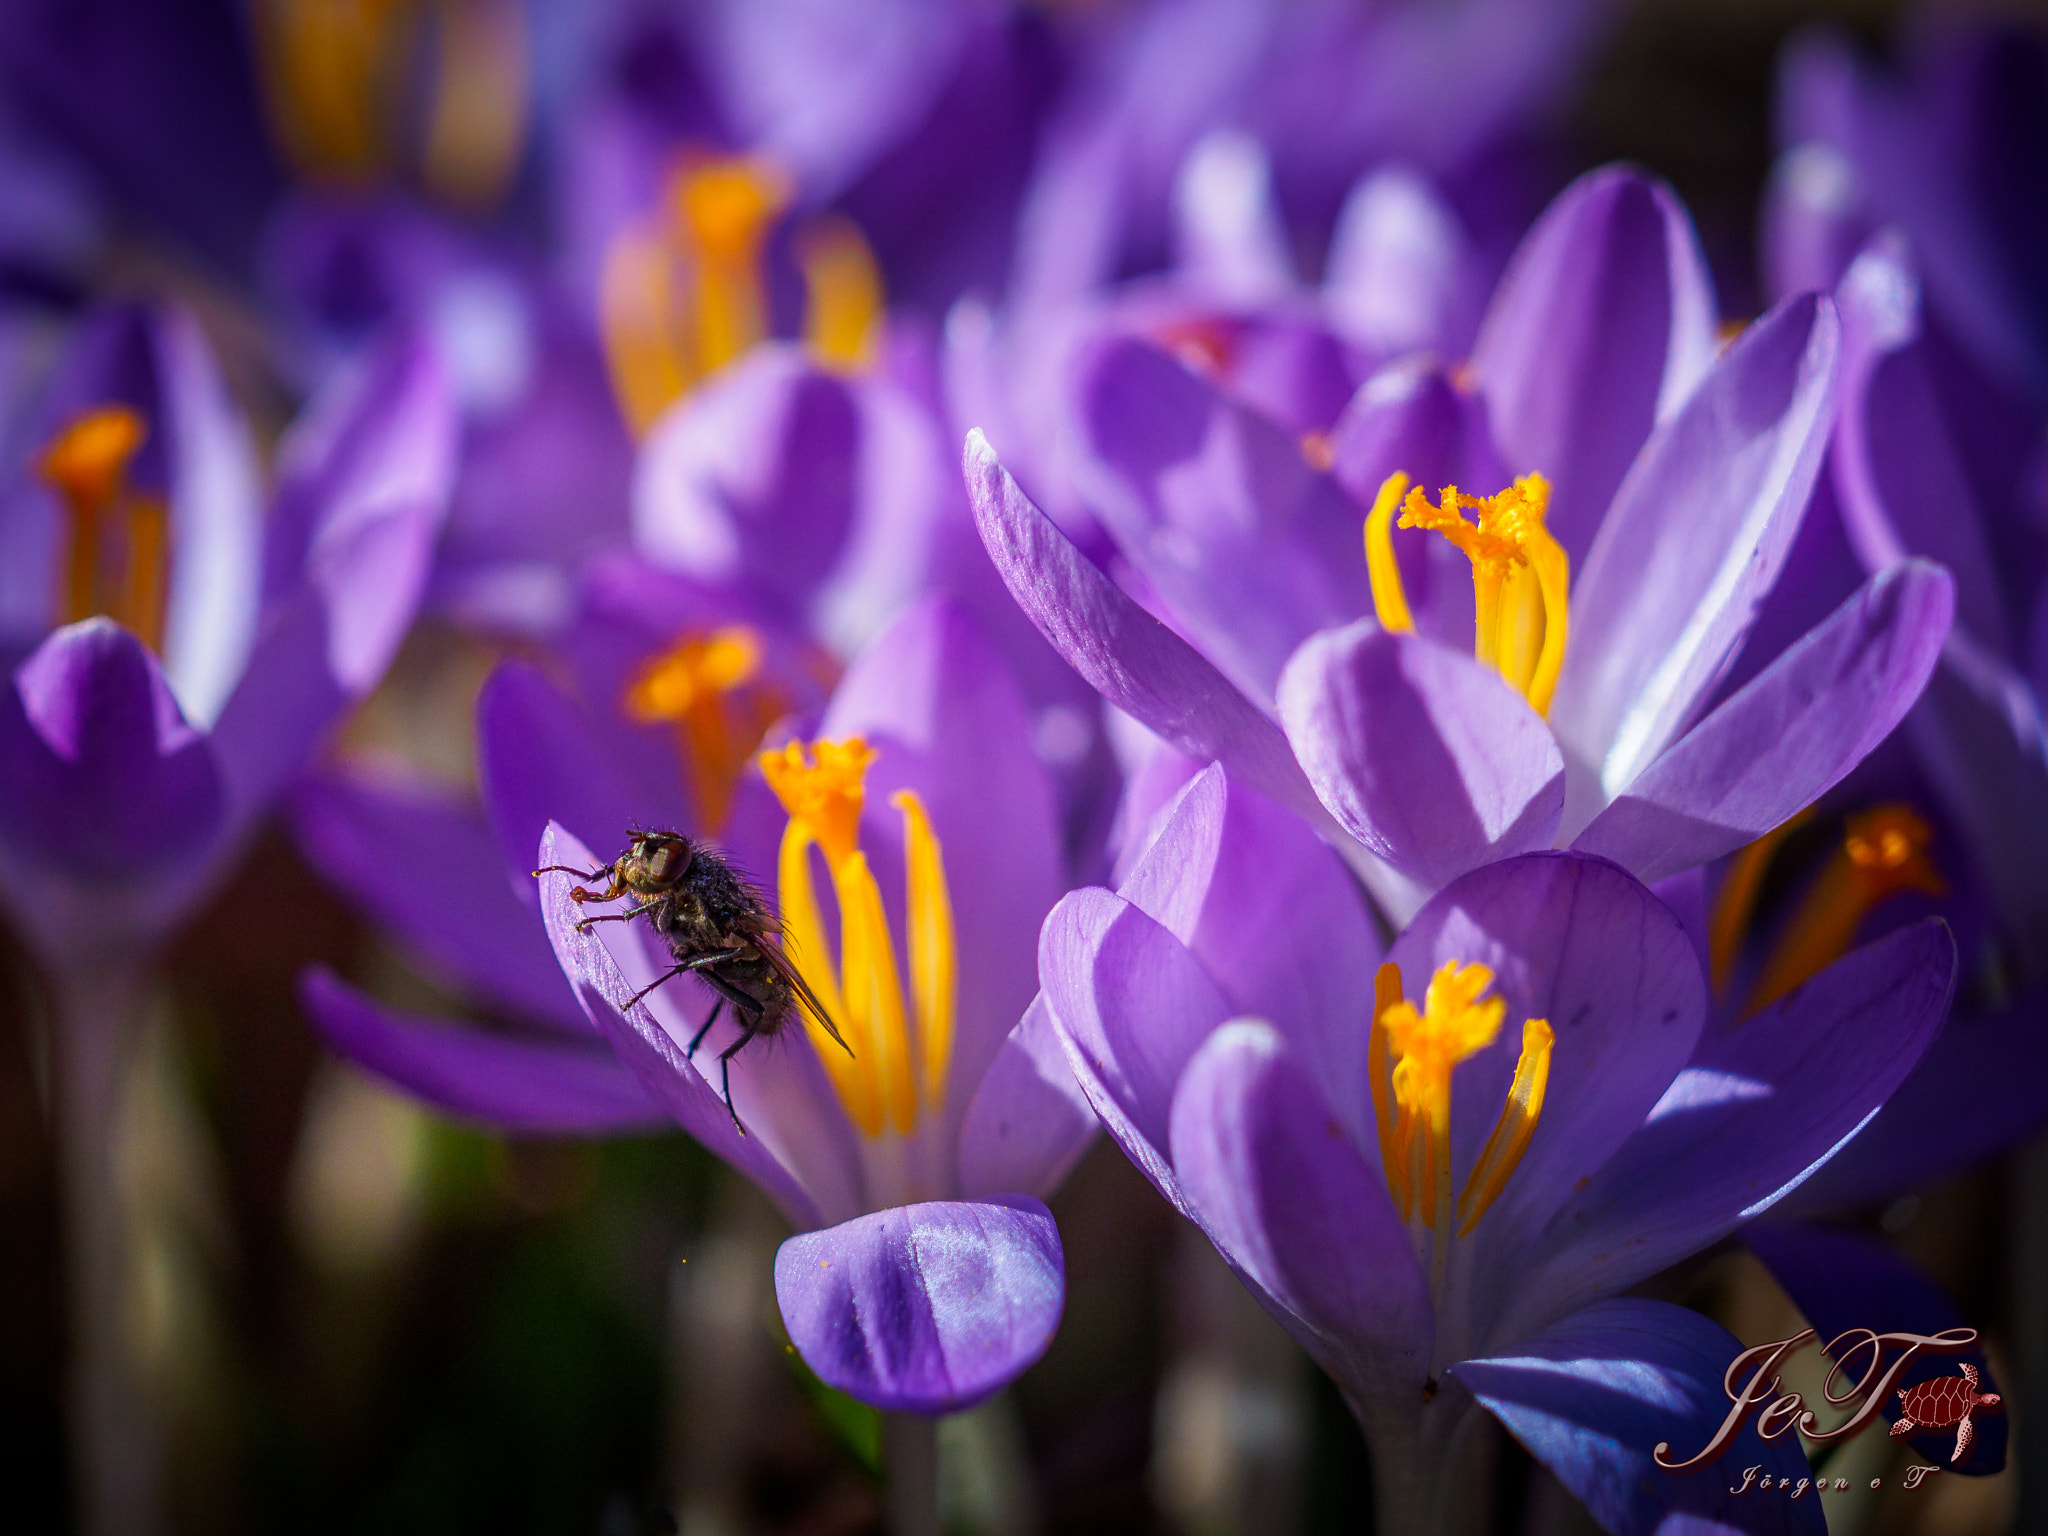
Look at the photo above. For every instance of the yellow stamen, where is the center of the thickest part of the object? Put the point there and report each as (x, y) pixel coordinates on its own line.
(1521, 576)
(1412, 1101)
(703, 686)
(480, 103)
(1884, 854)
(845, 294)
(933, 981)
(682, 295)
(823, 790)
(1517, 1123)
(118, 556)
(333, 69)
(1735, 902)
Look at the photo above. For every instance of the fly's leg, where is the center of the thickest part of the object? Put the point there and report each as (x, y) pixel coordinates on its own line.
(698, 1038)
(583, 924)
(748, 1021)
(716, 957)
(668, 975)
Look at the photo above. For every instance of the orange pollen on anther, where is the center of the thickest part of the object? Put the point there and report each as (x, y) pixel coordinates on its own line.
(1521, 576)
(1411, 1056)
(117, 555)
(705, 686)
(1885, 852)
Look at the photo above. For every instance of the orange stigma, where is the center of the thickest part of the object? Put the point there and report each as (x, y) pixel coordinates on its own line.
(118, 555)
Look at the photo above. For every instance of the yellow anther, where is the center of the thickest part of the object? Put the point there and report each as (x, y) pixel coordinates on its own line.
(333, 68)
(879, 1083)
(1521, 576)
(1517, 1124)
(844, 308)
(1883, 854)
(682, 295)
(117, 560)
(1410, 1057)
(702, 685)
(481, 95)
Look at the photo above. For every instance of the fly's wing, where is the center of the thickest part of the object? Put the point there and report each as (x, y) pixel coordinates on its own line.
(787, 970)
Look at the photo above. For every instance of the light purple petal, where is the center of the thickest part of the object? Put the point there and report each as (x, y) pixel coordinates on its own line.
(555, 1086)
(1286, 1196)
(652, 1052)
(753, 477)
(1898, 474)
(1753, 1115)
(1429, 759)
(1132, 1006)
(1129, 657)
(1250, 548)
(1692, 545)
(1028, 1122)
(102, 781)
(1787, 737)
(1595, 1395)
(925, 1308)
(1400, 273)
(425, 865)
(1602, 326)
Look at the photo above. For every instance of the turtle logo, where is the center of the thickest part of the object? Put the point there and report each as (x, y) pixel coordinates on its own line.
(1941, 1402)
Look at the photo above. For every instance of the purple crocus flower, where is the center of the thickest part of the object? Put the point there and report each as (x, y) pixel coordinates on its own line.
(943, 1170)
(175, 658)
(1661, 487)
(1439, 1190)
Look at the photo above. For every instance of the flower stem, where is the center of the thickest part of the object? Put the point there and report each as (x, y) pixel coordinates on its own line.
(115, 1444)
(910, 1463)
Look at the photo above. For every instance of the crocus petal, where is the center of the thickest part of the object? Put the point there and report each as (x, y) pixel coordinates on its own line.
(1842, 1280)
(1399, 273)
(1751, 1117)
(551, 1087)
(925, 1308)
(1228, 236)
(426, 867)
(1227, 862)
(1787, 737)
(101, 777)
(1028, 1122)
(1692, 545)
(1595, 1395)
(1602, 325)
(753, 475)
(366, 478)
(1429, 759)
(1251, 548)
(667, 1075)
(1132, 1006)
(1898, 474)
(1285, 1195)
(1129, 657)
(541, 758)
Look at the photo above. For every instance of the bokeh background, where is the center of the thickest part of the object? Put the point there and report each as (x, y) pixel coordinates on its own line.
(363, 1319)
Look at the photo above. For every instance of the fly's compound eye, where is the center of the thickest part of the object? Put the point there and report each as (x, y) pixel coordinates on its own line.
(662, 860)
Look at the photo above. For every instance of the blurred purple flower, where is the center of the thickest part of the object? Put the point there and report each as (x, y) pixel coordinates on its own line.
(1619, 580)
(1435, 1194)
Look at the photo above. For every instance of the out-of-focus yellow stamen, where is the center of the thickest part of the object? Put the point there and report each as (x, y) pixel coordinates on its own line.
(1411, 1056)
(1885, 853)
(1521, 576)
(704, 685)
(822, 790)
(1735, 901)
(844, 285)
(481, 97)
(339, 78)
(682, 295)
(118, 555)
